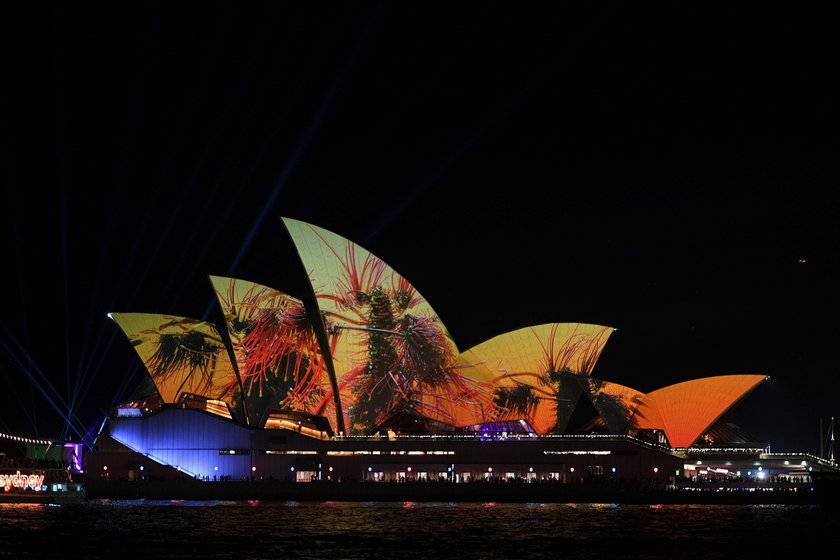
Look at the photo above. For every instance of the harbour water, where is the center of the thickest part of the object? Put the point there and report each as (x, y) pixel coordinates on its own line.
(335, 530)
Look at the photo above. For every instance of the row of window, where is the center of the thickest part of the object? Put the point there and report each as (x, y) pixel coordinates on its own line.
(378, 452)
(366, 452)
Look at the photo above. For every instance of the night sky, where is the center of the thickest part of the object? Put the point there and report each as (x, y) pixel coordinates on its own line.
(668, 170)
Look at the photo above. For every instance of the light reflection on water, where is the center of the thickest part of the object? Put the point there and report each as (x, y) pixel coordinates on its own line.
(406, 530)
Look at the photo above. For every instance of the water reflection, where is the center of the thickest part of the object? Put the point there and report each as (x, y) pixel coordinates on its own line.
(405, 530)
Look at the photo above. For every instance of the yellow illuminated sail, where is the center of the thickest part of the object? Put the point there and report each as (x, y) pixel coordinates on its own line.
(182, 355)
(530, 369)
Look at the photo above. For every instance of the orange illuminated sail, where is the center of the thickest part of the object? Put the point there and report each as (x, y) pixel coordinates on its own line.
(686, 410)
(615, 403)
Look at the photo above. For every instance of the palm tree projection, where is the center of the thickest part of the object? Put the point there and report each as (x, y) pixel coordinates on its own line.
(543, 391)
(616, 404)
(190, 351)
(518, 401)
(402, 359)
(182, 355)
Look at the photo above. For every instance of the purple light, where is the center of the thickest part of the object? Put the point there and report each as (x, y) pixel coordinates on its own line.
(73, 455)
(502, 430)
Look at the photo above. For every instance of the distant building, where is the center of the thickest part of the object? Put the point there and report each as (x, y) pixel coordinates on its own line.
(38, 464)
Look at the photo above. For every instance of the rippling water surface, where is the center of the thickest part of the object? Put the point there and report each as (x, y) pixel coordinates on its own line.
(335, 530)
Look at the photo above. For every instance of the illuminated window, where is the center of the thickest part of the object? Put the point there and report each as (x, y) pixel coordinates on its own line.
(289, 452)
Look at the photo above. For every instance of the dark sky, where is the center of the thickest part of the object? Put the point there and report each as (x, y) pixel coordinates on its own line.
(657, 168)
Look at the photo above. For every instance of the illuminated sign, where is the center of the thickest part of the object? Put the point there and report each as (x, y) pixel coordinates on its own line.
(17, 480)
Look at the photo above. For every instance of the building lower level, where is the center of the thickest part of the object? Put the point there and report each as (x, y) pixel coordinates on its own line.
(185, 443)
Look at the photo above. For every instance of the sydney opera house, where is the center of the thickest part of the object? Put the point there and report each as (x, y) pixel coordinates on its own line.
(364, 383)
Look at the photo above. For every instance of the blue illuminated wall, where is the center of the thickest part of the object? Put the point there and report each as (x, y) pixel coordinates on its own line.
(187, 439)
(202, 445)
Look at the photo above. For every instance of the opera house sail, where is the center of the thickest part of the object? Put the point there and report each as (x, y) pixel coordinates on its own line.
(389, 347)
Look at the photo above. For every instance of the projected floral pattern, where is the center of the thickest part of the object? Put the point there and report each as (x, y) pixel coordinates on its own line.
(275, 347)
